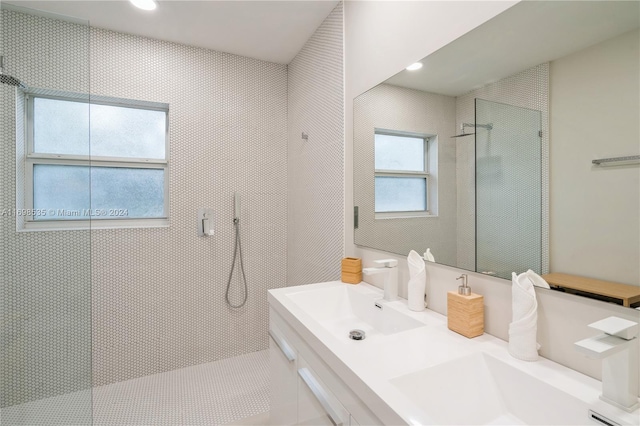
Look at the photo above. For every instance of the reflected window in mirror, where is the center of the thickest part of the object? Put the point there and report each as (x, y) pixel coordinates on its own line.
(401, 173)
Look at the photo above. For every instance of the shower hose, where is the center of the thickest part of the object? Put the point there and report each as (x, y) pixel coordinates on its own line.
(237, 251)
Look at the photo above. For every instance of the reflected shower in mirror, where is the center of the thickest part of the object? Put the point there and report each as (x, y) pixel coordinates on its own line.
(513, 125)
(508, 183)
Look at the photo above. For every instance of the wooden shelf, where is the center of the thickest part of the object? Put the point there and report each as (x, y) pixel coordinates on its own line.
(628, 294)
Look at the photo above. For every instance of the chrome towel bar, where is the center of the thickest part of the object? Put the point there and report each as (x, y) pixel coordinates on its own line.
(616, 159)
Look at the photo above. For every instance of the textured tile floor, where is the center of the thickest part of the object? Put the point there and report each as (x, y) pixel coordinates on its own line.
(215, 393)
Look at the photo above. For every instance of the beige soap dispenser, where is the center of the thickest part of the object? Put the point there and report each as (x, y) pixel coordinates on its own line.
(465, 310)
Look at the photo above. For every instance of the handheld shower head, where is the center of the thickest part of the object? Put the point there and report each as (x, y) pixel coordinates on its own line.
(236, 206)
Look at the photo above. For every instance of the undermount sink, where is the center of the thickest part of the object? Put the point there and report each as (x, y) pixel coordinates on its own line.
(480, 389)
(343, 308)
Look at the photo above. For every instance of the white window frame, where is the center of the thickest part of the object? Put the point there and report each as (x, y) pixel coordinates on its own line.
(32, 158)
(407, 174)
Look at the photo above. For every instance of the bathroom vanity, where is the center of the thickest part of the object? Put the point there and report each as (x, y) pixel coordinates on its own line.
(409, 368)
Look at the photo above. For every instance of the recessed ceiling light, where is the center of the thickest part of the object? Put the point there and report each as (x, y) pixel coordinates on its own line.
(144, 4)
(414, 67)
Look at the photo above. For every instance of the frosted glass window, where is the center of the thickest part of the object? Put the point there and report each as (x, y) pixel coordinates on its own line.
(127, 132)
(394, 152)
(66, 127)
(60, 126)
(127, 193)
(64, 192)
(60, 190)
(400, 194)
(401, 175)
(101, 160)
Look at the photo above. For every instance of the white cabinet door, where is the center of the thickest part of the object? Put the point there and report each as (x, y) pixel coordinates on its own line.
(316, 404)
(284, 379)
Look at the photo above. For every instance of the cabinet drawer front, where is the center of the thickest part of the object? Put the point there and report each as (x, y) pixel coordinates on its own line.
(317, 405)
(282, 344)
(284, 385)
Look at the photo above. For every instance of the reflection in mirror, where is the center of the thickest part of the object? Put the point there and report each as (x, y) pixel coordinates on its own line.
(508, 183)
(514, 113)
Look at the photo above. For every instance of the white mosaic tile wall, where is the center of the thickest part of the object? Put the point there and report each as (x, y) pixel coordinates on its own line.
(155, 296)
(159, 294)
(316, 166)
(397, 108)
(45, 277)
(527, 89)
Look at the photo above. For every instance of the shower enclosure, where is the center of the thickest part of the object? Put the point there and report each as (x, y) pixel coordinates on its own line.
(45, 277)
(125, 321)
(508, 188)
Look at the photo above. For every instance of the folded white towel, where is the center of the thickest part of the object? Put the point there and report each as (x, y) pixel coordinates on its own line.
(523, 297)
(524, 326)
(537, 280)
(417, 282)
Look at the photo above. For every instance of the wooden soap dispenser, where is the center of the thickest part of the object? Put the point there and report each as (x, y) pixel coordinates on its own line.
(465, 310)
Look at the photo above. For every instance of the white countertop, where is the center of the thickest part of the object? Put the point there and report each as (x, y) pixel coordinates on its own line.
(366, 366)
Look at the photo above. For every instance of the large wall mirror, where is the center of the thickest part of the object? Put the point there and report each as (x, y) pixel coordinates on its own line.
(485, 154)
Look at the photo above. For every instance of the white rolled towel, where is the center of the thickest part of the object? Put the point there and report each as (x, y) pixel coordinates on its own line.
(523, 297)
(524, 326)
(429, 256)
(417, 282)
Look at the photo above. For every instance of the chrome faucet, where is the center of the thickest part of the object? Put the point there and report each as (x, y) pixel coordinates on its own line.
(618, 350)
(390, 267)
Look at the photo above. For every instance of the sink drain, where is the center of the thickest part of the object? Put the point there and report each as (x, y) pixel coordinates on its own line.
(356, 335)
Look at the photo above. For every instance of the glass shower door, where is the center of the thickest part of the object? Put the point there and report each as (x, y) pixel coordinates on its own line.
(45, 275)
(508, 189)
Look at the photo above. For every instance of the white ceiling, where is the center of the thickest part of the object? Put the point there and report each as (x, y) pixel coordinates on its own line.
(273, 31)
(525, 35)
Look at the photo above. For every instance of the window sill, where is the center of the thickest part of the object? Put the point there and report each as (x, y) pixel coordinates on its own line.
(404, 215)
(84, 225)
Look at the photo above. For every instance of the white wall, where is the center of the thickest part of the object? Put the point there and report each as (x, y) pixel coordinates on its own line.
(315, 95)
(595, 211)
(381, 39)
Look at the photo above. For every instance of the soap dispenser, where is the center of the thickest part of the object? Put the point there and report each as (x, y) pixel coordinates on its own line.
(465, 310)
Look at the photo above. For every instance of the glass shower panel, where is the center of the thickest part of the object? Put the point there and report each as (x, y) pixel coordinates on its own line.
(45, 276)
(508, 189)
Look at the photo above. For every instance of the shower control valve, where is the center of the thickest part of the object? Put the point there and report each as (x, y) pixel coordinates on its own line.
(205, 222)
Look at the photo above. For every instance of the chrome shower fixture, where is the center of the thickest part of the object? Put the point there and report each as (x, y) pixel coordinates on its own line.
(484, 126)
(7, 79)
